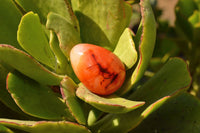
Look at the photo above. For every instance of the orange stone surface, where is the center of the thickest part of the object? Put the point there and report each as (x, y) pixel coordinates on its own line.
(97, 68)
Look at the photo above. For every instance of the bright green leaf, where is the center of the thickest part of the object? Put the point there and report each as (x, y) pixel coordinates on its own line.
(68, 35)
(171, 79)
(44, 126)
(102, 22)
(9, 19)
(110, 104)
(32, 38)
(125, 49)
(145, 41)
(63, 65)
(62, 62)
(68, 90)
(28, 66)
(36, 99)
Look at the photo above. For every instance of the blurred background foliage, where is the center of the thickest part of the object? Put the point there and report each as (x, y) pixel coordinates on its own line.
(178, 30)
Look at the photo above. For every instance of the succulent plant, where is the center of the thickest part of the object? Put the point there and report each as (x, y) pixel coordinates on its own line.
(39, 89)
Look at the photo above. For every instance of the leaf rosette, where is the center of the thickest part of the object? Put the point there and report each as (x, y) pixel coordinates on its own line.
(41, 84)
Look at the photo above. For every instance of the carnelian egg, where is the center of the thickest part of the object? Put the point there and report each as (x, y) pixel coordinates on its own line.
(97, 68)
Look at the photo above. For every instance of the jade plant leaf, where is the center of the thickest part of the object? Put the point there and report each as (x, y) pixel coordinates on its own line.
(36, 99)
(183, 109)
(125, 49)
(4, 94)
(43, 126)
(171, 79)
(68, 91)
(110, 104)
(145, 41)
(102, 22)
(42, 8)
(27, 65)
(10, 17)
(62, 62)
(29, 29)
(63, 65)
(68, 35)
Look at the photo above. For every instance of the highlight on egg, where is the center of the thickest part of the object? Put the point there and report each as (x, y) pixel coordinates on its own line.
(101, 71)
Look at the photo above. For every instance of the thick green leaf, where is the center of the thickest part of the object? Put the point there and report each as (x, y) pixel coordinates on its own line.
(125, 49)
(182, 109)
(63, 65)
(66, 32)
(61, 127)
(17, 124)
(102, 22)
(10, 18)
(62, 62)
(4, 129)
(32, 38)
(45, 126)
(110, 104)
(28, 66)
(4, 94)
(36, 99)
(154, 106)
(68, 91)
(42, 8)
(145, 41)
(171, 79)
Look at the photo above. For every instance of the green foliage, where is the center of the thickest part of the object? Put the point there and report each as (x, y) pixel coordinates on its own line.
(29, 29)
(152, 92)
(68, 88)
(43, 126)
(39, 91)
(110, 104)
(28, 94)
(62, 28)
(105, 19)
(10, 18)
(174, 110)
(188, 27)
(27, 65)
(125, 49)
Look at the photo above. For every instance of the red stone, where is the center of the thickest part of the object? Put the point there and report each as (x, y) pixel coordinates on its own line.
(97, 68)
